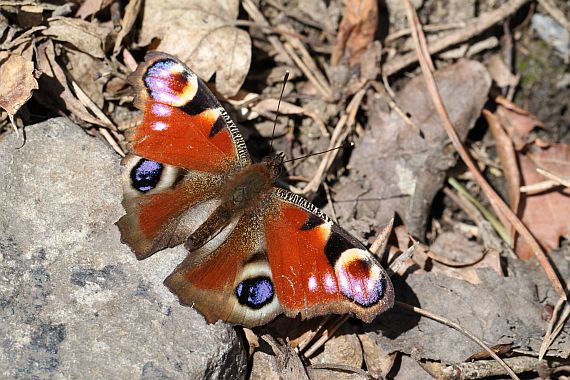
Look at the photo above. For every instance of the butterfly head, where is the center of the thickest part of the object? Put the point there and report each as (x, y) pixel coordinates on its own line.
(275, 164)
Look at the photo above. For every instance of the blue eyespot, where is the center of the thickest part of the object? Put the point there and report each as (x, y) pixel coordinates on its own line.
(146, 175)
(255, 292)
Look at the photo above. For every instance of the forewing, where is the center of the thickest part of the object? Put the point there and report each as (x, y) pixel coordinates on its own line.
(183, 123)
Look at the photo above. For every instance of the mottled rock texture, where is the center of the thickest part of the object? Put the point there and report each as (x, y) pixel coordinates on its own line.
(74, 301)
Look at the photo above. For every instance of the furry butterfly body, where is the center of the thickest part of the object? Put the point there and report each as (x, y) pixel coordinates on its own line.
(255, 250)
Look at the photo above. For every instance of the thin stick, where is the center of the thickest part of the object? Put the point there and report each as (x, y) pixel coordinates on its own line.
(342, 368)
(258, 17)
(340, 132)
(327, 334)
(473, 28)
(496, 201)
(564, 181)
(496, 223)
(381, 241)
(325, 92)
(312, 335)
(558, 318)
(457, 327)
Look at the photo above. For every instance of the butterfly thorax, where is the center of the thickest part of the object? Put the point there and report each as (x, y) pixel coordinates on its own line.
(242, 192)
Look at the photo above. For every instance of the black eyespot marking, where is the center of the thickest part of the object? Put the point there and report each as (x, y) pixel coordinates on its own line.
(312, 222)
(146, 175)
(338, 242)
(202, 101)
(255, 292)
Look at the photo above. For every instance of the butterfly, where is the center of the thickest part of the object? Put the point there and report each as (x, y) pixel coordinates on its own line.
(254, 250)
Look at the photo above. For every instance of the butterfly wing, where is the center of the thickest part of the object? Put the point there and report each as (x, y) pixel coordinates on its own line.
(180, 155)
(280, 255)
(284, 256)
(229, 278)
(318, 267)
(183, 125)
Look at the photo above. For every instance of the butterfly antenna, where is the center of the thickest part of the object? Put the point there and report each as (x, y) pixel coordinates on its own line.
(285, 78)
(346, 145)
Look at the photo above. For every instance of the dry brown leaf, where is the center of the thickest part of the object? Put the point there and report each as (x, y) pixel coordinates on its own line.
(454, 255)
(90, 7)
(17, 83)
(207, 41)
(378, 361)
(545, 214)
(127, 22)
(397, 170)
(85, 36)
(55, 88)
(517, 121)
(356, 30)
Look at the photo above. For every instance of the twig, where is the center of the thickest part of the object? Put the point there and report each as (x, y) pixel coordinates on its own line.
(539, 187)
(131, 11)
(427, 28)
(348, 369)
(490, 238)
(473, 28)
(483, 369)
(329, 200)
(497, 225)
(258, 17)
(309, 338)
(88, 103)
(326, 335)
(400, 261)
(559, 318)
(496, 201)
(564, 181)
(457, 327)
(340, 132)
(381, 241)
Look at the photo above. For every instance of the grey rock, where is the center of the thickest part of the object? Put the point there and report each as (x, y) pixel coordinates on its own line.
(74, 301)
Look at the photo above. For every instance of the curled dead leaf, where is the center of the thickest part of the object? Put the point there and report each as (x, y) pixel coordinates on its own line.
(207, 41)
(17, 83)
(90, 7)
(356, 30)
(55, 86)
(517, 122)
(85, 36)
(545, 213)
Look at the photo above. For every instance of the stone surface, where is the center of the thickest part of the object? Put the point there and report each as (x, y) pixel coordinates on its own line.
(74, 301)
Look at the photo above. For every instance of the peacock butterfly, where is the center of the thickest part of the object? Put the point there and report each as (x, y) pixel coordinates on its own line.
(255, 250)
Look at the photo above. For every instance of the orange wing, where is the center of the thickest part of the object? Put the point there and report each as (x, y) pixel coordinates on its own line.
(183, 125)
(180, 156)
(318, 267)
